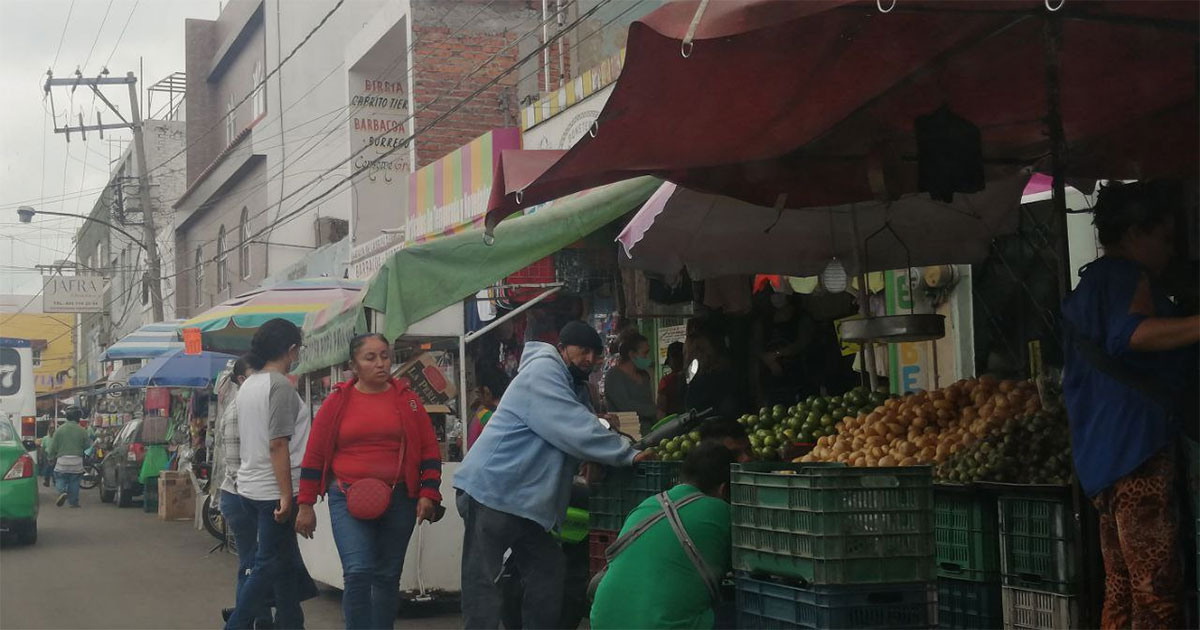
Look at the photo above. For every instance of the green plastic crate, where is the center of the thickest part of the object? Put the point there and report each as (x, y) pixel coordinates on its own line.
(966, 529)
(833, 524)
(776, 605)
(969, 605)
(150, 495)
(1036, 547)
(623, 489)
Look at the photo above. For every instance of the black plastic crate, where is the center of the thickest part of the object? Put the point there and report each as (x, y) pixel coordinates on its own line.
(969, 605)
(777, 605)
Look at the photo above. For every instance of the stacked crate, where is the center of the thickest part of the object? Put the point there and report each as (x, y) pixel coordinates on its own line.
(820, 546)
(613, 498)
(1038, 559)
(968, 558)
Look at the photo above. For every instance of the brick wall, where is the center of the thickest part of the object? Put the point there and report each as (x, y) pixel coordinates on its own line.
(440, 60)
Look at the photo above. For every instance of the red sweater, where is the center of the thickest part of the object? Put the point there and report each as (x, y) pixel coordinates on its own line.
(422, 456)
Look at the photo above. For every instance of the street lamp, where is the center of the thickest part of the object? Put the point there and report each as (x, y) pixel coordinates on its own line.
(26, 216)
(25, 213)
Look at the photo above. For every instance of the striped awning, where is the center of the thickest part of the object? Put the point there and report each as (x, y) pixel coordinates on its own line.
(147, 342)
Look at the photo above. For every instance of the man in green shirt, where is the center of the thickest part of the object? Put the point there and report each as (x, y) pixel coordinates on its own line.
(652, 583)
(70, 442)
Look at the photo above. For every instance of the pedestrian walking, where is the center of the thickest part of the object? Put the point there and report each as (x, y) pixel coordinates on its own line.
(68, 447)
(273, 427)
(47, 460)
(514, 485)
(374, 451)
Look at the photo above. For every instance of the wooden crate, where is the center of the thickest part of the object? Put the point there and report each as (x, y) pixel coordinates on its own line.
(176, 496)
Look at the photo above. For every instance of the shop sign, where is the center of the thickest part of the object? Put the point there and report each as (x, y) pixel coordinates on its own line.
(668, 335)
(329, 344)
(451, 194)
(907, 361)
(73, 294)
(370, 256)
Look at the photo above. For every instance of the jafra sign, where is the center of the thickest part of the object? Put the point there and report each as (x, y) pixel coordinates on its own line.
(73, 294)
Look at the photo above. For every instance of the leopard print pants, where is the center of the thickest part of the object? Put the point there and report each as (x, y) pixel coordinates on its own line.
(1139, 539)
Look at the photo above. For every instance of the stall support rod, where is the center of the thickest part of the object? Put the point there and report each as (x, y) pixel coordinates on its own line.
(509, 315)
(864, 308)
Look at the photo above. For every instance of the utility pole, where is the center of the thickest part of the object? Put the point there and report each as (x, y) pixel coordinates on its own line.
(153, 274)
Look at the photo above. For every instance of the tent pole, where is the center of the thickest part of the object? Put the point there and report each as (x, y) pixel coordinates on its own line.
(1052, 42)
(864, 309)
(511, 314)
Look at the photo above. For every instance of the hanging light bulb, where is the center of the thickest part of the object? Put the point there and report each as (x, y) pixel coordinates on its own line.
(833, 276)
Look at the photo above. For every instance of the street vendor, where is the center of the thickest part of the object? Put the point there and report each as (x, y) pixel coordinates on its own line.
(515, 483)
(1130, 368)
(627, 384)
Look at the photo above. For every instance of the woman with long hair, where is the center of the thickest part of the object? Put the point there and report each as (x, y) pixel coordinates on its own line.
(273, 427)
(374, 452)
(627, 384)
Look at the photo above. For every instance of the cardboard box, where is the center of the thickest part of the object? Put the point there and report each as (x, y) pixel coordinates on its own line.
(176, 496)
(627, 423)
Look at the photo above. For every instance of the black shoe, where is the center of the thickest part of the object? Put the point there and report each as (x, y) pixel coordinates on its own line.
(226, 613)
(46, 483)
(263, 624)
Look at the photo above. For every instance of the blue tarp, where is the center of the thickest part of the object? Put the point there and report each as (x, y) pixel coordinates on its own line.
(181, 370)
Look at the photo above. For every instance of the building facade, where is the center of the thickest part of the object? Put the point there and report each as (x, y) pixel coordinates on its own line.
(118, 258)
(306, 119)
(52, 336)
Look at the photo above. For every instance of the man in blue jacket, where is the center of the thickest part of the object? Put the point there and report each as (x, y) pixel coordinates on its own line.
(515, 482)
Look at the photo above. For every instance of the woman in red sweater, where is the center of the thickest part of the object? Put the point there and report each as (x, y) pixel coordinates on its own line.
(372, 443)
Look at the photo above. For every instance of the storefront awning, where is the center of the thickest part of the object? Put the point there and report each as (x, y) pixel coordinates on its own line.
(420, 280)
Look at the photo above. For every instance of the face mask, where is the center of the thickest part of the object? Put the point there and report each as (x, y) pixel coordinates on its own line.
(641, 363)
(578, 373)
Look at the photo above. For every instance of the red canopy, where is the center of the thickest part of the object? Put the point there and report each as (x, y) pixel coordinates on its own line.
(813, 100)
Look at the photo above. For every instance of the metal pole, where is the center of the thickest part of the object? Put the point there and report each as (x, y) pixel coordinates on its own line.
(151, 245)
(864, 309)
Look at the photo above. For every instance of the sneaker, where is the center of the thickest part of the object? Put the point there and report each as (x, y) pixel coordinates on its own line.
(62, 498)
(46, 483)
(75, 506)
(226, 613)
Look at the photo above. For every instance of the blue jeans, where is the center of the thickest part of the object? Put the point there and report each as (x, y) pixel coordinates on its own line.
(68, 483)
(372, 554)
(242, 524)
(273, 571)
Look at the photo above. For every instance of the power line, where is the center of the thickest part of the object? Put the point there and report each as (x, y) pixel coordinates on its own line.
(122, 33)
(63, 37)
(99, 30)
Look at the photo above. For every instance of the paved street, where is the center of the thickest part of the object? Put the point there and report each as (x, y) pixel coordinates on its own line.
(101, 567)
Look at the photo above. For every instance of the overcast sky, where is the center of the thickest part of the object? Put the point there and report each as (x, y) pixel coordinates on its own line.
(40, 168)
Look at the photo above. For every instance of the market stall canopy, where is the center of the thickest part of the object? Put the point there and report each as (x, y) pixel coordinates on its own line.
(420, 280)
(714, 236)
(147, 342)
(180, 369)
(229, 326)
(327, 333)
(833, 121)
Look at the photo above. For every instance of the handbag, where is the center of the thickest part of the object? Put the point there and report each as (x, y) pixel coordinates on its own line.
(671, 513)
(367, 499)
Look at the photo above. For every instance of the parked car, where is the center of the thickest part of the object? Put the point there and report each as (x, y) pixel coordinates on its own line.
(120, 467)
(18, 488)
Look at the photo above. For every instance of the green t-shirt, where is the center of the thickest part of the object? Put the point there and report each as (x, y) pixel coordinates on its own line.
(653, 584)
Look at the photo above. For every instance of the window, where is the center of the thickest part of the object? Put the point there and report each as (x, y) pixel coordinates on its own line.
(37, 357)
(199, 277)
(244, 245)
(231, 129)
(222, 261)
(259, 88)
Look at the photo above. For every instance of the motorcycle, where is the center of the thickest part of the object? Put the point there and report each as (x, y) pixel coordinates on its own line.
(91, 469)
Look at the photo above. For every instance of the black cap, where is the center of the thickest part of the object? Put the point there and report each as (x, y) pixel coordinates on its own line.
(577, 333)
(73, 413)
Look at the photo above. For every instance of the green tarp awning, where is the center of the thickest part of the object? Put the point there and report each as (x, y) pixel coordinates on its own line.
(418, 281)
(422, 279)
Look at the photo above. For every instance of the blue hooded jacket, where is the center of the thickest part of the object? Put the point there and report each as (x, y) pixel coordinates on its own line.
(524, 460)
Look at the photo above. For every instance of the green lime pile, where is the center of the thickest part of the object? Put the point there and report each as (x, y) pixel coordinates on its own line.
(677, 448)
(775, 427)
(1031, 449)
